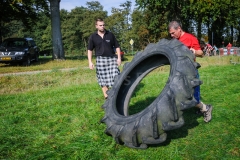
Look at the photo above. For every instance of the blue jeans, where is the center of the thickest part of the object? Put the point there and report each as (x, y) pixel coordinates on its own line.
(197, 90)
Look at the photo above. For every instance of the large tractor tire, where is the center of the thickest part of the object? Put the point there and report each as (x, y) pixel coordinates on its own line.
(165, 112)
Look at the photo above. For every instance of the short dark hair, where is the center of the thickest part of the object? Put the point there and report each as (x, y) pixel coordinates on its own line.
(98, 20)
(174, 24)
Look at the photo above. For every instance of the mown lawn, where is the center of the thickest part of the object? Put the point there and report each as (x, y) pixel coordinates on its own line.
(57, 115)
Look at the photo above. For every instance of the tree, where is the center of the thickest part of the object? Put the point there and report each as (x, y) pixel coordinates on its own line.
(42, 32)
(115, 23)
(219, 17)
(139, 31)
(126, 24)
(58, 51)
(158, 13)
(72, 32)
(25, 11)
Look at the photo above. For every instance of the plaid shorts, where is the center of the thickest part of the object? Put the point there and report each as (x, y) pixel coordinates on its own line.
(106, 69)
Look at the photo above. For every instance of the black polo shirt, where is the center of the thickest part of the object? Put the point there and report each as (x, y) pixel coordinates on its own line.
(103, 46)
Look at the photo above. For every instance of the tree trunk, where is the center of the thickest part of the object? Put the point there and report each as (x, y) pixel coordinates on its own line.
(199, 28)
(1, 26)
(58, 52)
(1, 31)
(231, 39)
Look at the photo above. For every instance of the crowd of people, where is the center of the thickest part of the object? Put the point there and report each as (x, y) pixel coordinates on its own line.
(210, 50)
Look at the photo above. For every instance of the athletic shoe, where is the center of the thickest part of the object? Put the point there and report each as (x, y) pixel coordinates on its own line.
(207, 115)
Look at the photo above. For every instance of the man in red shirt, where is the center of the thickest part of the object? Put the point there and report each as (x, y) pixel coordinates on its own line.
(229, 46)
(192, 43)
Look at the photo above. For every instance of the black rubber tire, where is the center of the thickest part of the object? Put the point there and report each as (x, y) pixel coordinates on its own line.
(165, 112)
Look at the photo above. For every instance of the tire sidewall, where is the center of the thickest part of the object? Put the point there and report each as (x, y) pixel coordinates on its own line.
(112, 109)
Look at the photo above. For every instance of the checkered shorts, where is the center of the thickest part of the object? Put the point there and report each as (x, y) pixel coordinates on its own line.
(106, 69)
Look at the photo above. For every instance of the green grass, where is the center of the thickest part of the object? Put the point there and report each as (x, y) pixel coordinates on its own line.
(57, 115)
(46, 63)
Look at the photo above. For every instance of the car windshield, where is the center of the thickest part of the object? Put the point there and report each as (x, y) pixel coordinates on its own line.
(14, 43)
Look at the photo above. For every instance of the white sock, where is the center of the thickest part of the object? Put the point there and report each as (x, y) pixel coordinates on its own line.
(204, 107)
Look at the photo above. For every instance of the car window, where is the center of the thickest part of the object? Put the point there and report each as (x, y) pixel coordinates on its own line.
(11, 44)
(14, 43)
(4, 44)
(20, 43)
(32, 43)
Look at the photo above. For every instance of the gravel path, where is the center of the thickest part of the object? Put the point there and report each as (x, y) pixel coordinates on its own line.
(33, 72)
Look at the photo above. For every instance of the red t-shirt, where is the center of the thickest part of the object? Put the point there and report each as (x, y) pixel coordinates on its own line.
(229, 46)
(190, 41)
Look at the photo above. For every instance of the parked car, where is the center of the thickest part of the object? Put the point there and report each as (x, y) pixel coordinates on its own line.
(19, 50)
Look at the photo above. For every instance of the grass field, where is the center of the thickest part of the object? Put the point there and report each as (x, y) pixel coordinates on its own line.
(56, 114)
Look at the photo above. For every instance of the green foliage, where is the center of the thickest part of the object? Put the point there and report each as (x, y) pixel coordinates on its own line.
(206, 16)
(157, 14)
(25, 11)
(139, 32)
(147, 23)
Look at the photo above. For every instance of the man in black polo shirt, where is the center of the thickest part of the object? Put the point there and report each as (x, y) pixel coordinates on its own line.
(107, 61)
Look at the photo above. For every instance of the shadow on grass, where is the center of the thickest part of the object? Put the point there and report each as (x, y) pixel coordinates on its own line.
(140, 105)
(49, 58)
(189, 115)
(190, 119)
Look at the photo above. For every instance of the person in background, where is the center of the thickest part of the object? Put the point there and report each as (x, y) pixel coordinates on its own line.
(107, 61)
(175, 30)
(229, 46)
(215, 50)
(209, 49)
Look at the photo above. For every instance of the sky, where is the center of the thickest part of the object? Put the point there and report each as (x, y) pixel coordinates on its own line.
(107, 4)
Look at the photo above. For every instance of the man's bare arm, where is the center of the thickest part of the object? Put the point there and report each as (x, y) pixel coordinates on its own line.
(119, 61)
(90, 64)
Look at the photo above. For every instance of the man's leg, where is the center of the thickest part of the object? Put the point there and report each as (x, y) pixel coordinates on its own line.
(104, 90)
(205, 109)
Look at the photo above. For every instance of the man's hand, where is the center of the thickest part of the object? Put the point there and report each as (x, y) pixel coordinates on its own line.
(118, 56)
(197, 53)
(193, 50)
(91, 65)
(119, 61)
